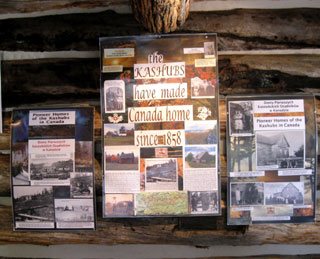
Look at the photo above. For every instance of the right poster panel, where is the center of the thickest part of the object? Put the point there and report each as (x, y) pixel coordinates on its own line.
(271, 159)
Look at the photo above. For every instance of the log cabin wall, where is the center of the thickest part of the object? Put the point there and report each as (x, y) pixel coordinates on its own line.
(49, 52)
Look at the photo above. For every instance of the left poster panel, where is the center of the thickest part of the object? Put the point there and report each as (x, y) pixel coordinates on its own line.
(52, 169)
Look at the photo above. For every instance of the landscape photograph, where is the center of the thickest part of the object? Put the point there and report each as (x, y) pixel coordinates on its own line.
(74, 210)
(119, 134)
(200, 156)
(119, 204)
(122, 158)
(201, 132)
(33, 203)
(83, 156)
(53, 169)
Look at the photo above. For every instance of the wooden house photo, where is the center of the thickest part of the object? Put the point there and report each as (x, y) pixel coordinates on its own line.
(280, 149)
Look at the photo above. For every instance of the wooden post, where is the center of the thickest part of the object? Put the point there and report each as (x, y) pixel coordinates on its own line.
(161, 16)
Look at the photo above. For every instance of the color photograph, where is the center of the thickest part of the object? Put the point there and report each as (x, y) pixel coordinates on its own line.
(119, 134)
(156, 203)
(201, 132)
(122, 158)
(200, 156)
(119, 205)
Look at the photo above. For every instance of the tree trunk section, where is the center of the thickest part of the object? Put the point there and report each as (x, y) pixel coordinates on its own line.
(161, 16)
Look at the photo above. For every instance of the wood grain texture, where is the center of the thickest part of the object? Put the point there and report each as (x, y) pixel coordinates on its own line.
(237, 29)
(59, 81)
(28, 6)
(161, 16)
(204, 231)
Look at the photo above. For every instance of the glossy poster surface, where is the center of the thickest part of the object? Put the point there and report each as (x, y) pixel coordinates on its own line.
(272, 161)
(159, 97)
(52, 173)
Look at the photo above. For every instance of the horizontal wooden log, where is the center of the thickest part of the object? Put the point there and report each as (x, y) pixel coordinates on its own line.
(28, 6)
(237, 29)
(57, 81)
(204, 231)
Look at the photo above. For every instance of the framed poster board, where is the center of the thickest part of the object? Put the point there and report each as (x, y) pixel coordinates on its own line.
(159, 100)
(52, 169)
(272, 159)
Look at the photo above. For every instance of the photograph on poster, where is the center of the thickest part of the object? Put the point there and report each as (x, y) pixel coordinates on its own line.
(151, 152)
(119, 204)
(242, 156)
(74, 210)
(280, 149)
(61, 192)
(161, 152)
(161, 170)
(114, 96)
(209, 49)
(33, 204)
(284, 193)
(119, 134)
(54, 169)
(247, 194)
(271, 211)
(201, 88)
(122, 158)
(201, 132)
(83, 156)
(241, 118)
(81, 185)
(19, 163)
(204, 202)
(200, 156)
(156, 203)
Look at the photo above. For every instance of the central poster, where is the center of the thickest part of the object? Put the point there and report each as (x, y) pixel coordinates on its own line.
(159, 106)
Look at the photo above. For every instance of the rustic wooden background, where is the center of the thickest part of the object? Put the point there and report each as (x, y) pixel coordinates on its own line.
(53, 60)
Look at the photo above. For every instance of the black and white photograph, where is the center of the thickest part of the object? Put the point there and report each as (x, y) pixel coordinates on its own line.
(242, 154)
(122, 158)
(73, 210)
(201, 132)
(280, 149)
(61, 192)
(205, 202)
(241, 118)
(247, 194)
(201, 88)
(119, 204)
(161, 170)
(284, 193)
(19, 163)
(33, 204)
(53, 170)
(114, 96)
(81, 185)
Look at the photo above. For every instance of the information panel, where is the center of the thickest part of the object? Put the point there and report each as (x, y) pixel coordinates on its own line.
(52, 169)
(272, 160)
(159, 101)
